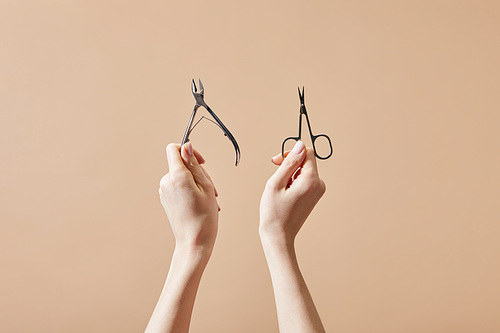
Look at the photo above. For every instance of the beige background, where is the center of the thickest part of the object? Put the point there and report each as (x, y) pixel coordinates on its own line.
(406, 239)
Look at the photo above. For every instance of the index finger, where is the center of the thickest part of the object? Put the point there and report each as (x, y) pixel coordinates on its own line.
(278, 159)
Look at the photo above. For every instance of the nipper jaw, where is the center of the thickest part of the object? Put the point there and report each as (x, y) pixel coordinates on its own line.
(199, 98)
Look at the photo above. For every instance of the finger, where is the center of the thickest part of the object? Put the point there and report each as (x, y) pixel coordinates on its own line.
(297, 173)
(294, 177)
(310, 163)
(198, 156)
(288, 167)
(191, 163)
(210, 179)
(278, 159)
(174, 159)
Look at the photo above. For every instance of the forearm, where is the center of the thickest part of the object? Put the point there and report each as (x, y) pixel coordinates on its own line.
(175, 305)
(294, 304)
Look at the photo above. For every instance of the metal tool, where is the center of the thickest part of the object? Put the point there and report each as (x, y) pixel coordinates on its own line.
(198, 96)
(313, 137)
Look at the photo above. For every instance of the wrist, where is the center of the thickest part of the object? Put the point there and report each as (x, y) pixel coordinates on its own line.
(276, 240)
(194, 254)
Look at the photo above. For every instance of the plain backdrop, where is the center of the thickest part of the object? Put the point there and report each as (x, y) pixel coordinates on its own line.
(406, 238)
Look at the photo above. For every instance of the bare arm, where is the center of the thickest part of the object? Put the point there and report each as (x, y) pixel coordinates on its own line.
(290, 195)
(189, 198)
(175, 305)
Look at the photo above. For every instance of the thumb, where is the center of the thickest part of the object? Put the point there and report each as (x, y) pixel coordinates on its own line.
(192, 164)
(289, 165)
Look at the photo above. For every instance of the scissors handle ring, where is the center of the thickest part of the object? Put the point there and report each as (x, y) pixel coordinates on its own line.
(296, 138)
(313, 138)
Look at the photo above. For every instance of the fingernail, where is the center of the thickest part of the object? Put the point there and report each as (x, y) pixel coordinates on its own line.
(189, 149)
(298, 148)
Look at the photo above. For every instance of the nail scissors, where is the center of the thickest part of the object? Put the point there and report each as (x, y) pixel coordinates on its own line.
(313, 137)
(198, 96)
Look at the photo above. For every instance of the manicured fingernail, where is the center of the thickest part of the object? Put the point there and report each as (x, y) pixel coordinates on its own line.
(298, 148)
(189, 149)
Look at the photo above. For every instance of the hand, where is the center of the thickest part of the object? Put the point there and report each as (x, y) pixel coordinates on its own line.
(290, 195)
(188, 196)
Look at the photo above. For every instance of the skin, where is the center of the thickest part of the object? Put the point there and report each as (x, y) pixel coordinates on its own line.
(289, 197)
(190, 201)
(189, 198)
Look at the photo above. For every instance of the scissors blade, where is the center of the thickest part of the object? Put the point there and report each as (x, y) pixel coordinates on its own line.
(301, 95)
